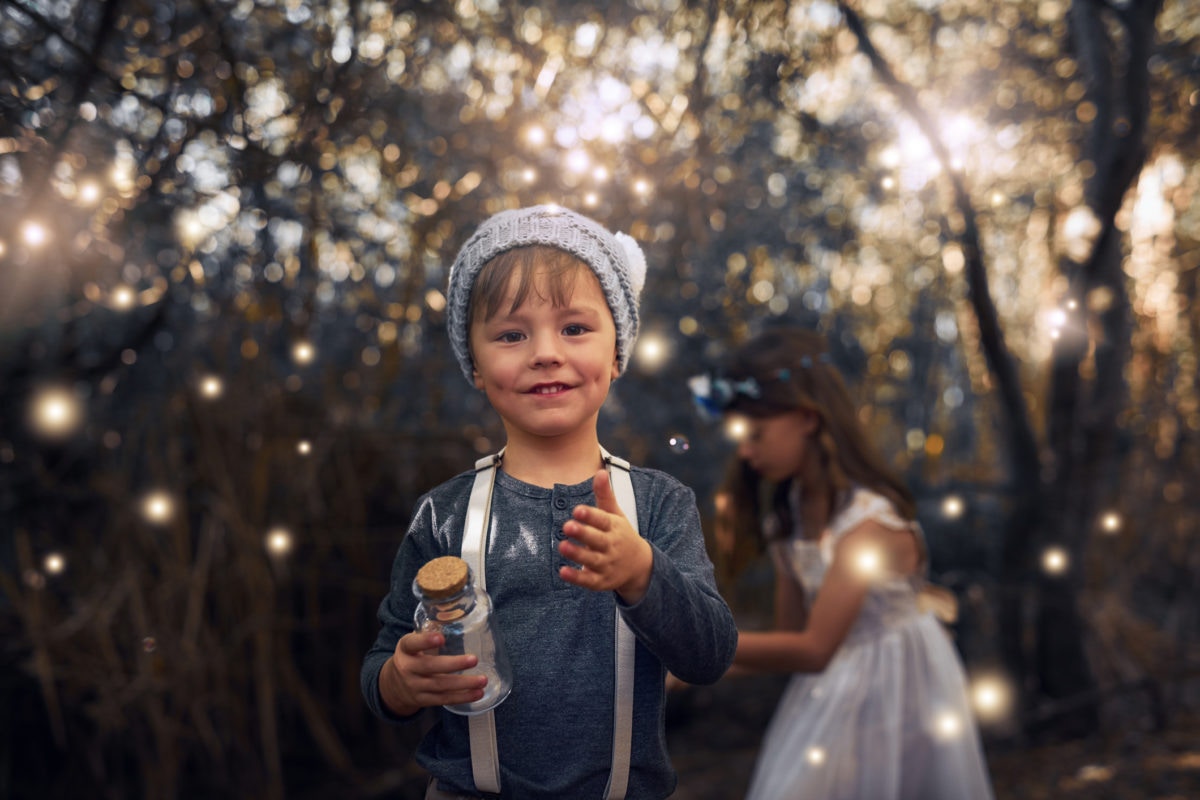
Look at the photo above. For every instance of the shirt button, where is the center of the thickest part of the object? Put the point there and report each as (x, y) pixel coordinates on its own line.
(560, 502)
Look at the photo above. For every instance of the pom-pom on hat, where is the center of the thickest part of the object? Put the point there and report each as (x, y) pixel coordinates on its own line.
(615, 258)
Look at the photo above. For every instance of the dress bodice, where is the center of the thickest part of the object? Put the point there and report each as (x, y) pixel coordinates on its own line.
(891, 599)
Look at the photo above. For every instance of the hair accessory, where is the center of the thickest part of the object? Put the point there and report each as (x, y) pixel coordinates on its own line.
(806, 361)
(713, 394)
(616, 259)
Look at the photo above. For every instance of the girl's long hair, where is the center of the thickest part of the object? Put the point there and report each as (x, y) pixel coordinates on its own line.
(792, 371)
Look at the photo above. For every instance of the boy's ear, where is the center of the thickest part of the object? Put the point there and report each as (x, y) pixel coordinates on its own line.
(616, 368)
(478, 380)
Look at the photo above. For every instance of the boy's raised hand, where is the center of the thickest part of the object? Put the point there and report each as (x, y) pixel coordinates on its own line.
(416, 677)
(611, 554)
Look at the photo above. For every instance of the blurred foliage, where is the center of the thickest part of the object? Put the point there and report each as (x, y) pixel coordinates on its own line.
(224, 235)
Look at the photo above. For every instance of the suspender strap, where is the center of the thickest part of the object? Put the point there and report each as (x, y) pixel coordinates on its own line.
(485, 761)
(618, 777)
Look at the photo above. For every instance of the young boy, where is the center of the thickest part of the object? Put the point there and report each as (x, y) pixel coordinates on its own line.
(542, 315)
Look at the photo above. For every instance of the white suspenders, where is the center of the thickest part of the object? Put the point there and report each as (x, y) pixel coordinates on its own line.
(485, 762)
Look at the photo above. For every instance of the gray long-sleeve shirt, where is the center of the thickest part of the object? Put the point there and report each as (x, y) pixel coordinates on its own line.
(554, 731)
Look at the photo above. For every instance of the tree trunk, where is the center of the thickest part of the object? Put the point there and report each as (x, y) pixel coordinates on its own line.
(1088, 387)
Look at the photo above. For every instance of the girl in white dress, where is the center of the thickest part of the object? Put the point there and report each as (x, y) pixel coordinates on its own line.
(877, 708)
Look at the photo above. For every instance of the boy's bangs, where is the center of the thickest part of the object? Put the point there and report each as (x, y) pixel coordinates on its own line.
(546, 272)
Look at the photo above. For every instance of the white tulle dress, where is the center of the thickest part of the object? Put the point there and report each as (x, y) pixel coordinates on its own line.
(889, 718)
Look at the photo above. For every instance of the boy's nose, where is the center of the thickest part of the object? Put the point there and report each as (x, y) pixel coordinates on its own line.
(546, 350)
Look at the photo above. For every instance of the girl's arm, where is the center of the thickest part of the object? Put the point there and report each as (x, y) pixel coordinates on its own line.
(865, 554)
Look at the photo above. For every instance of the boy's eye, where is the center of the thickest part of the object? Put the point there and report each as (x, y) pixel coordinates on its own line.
(510, 337)
(574, 330)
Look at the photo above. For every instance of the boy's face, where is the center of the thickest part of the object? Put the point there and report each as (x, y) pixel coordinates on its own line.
(546, 369)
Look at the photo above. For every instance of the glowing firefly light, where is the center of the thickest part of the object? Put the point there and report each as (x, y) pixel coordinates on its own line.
(1054, 560)
(577, 161)
(947, 725)
(888, 182)
(122, 297)
(953, 506)
(600, 174)
(736, 428)
(192, 229)
(679, 443)
(157, 507)
(1110, 521)
(304, 447)
(54, 563)
(303, 352)
(35, 234)
(652, 351)
(211, 387)
(641, 186)
(279, 541)
(868, 562)
(990, 697)
(529, 174)
(815, 756)
(89, 192)
(612, 129)
(591, 199)
(536, 135)
(56, 412)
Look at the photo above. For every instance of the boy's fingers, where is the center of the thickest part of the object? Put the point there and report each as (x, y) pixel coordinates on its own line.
(606, 499)
(420, 642)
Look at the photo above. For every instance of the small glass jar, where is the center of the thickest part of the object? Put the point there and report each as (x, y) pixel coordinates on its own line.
(449, 602)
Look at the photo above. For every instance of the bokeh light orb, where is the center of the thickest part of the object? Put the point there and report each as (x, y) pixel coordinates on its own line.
(54, 563)
(211, 387)
(55, 412)
(35, 234)
(122, 298)
(679, 443)
(157, 507)
(303, 352)
(652, 351)
(279, 541)
(991, 697)
(1055, 560)
(953, 506)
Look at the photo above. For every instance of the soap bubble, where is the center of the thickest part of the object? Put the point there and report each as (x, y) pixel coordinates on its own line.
(679, 444)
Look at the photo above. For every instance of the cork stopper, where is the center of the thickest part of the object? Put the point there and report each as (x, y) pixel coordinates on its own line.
(442, 577)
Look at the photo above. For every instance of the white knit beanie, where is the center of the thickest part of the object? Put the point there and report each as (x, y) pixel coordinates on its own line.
(616, 260)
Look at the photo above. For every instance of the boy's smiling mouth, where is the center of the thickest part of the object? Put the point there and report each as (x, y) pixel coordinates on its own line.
(549, 388)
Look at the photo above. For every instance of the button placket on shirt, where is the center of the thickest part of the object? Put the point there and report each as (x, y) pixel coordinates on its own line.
(561, 507)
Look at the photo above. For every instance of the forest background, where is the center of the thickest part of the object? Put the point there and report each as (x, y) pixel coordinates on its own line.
(225, 227)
